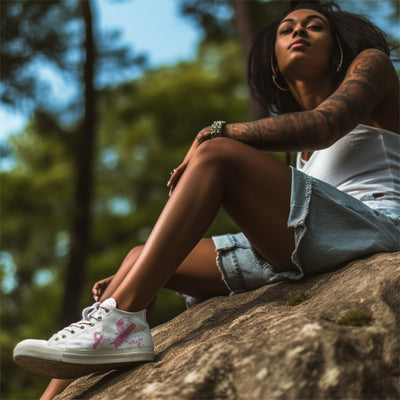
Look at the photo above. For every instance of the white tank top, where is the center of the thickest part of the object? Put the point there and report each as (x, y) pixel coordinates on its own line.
(365, 163)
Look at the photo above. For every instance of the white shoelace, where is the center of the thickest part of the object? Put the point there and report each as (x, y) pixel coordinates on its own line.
(88, 315)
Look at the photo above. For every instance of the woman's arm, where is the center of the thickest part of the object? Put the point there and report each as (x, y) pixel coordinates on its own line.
(368, 82)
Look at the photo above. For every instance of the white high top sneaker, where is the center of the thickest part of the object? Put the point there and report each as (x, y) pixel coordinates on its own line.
(105, 338)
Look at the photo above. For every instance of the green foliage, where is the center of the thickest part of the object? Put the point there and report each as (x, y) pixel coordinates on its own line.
(35, 204)
(356, 318)
(152, 124)
(303, 296)
(145, 129)
(50, 34)
(30, 29)
(215, 17)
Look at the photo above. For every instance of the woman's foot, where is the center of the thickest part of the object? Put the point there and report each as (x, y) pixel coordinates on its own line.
(105, 338)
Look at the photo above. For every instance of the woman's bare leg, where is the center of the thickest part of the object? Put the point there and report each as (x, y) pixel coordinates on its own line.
(255, 190)
(253, 187)
(197, 276)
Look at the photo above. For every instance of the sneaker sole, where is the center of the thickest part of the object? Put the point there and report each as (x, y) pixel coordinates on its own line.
(68, 370)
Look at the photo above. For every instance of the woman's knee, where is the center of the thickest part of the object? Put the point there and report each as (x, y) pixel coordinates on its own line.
(134, 253)
(217, 151)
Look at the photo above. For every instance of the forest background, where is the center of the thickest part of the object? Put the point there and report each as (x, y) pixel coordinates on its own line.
(84, 183)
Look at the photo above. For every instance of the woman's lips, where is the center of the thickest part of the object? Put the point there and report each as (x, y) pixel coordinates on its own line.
(299, 43)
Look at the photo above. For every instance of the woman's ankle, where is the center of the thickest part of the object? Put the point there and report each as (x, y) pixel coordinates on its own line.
(131, 303)
(55, 387)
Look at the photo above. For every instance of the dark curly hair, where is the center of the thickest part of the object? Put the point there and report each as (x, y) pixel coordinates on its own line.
(355, 32)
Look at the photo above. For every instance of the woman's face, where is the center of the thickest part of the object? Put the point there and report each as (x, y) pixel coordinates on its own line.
(304, 44)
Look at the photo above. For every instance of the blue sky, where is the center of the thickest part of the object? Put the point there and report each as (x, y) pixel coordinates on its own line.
(152, 26)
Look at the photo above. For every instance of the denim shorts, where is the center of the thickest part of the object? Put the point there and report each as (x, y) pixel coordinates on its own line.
(331, 228)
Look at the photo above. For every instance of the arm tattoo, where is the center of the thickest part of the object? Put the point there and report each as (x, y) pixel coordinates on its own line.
(364, 87)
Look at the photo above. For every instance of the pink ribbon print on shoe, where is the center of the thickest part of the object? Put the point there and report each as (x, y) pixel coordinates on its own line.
(124, 331)
(97, 339)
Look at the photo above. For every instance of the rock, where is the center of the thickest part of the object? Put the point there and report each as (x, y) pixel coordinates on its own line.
(255, 345)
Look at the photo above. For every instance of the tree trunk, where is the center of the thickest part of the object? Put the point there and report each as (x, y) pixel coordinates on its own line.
(80, 235)
(246, 30)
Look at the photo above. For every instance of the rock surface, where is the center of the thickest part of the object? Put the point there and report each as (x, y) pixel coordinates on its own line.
(255, 345)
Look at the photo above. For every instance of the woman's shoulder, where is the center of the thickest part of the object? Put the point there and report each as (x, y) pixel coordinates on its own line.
(375, 66)
(373, 61)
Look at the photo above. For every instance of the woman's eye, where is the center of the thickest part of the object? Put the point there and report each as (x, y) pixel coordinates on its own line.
(315, 28)
(285, 31)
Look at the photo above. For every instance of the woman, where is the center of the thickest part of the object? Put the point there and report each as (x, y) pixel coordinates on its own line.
(329, 74)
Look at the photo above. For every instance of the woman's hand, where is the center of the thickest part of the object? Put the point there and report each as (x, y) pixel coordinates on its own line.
(176, 175)
(100, 286)
(203, 135)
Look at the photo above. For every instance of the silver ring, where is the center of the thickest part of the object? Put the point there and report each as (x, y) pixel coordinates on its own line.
(173, 171)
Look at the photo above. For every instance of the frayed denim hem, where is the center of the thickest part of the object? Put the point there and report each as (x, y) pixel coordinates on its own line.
(301, 189)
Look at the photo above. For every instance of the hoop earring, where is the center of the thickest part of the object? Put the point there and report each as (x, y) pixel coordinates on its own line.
(341, 54)
(275, 76)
